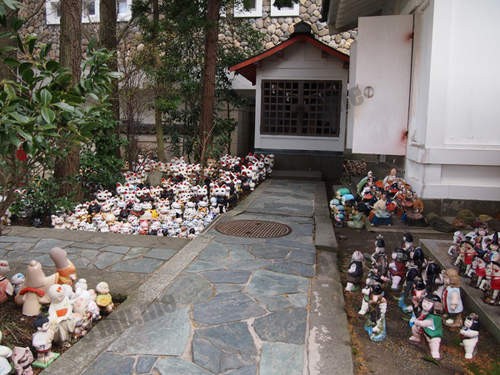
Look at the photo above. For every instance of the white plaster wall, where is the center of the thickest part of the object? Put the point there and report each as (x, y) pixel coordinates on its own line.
(301, 61)
(454, 145)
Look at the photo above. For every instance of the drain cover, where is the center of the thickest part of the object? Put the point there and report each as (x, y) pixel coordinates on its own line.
(253, 228)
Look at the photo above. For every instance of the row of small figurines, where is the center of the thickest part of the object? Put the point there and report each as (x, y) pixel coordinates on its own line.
(477, 257)
(427, 293)
(72, 306)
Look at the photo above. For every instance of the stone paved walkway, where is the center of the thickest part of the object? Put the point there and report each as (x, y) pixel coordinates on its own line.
(218, 304)
(239, 308)
(123, 261)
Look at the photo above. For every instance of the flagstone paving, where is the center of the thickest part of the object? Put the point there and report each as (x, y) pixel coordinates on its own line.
(240, 306)
(218, 304)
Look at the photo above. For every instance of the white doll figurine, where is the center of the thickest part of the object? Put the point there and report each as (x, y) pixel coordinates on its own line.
(42, 342)
(17, 282)
(429, 325)
(355, 271)
(454, 249)
(397, 268)
(6, 288)
(60, 314)
(451, 298)
(104, 299)
(22, 359)
(470, 334)
(5, 353)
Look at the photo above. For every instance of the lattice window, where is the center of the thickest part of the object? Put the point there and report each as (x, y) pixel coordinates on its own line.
(304, 108)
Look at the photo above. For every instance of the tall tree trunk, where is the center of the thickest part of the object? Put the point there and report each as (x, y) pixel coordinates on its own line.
(160, 144)
(70, 52)
(208, 93)
(107, 38)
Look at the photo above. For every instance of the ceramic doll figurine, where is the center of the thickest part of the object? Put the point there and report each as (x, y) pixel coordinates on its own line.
(34, 292)
(5, 353)
(65, 268)
(429, 325)
(372, 280)
(379, 214)
(81, 314)
(17, 282)
(432, 276)
(60, 314)
(407, 243)
(22, 359)
(451, 298)
(42, 342)
(493, 276)
(104, 299)
(454, 249)
(375, 325)
(397, 268)
(6, 288)
(470, 334)
(412, 278)
(391, 178)
(466, 256)
(355, 271)
(379, 258)
(478, 271)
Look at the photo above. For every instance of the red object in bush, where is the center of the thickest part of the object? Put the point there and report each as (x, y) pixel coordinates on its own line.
(21, 154)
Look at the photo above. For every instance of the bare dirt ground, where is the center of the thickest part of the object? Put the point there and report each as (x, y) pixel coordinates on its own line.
(395, 355)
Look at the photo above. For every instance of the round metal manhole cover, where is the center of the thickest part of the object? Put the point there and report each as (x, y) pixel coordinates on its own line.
(253, 228)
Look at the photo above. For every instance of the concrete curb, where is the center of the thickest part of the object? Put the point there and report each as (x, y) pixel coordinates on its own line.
(324, 235)
(329, 349)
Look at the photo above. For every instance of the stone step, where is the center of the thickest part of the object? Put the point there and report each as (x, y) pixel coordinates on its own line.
(287, 174)
(488, 315)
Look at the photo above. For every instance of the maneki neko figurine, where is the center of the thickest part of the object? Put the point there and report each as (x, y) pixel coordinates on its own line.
(6, 288)
(42, 342)
(60, 314)
(428, 325)
(64, 267)
(355, 271)
(34, 292)
(470, 334)
(377, 307)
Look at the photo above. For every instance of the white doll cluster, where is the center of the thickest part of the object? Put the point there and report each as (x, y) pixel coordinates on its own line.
(72, 309)
(477, 256)
(186, 200)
